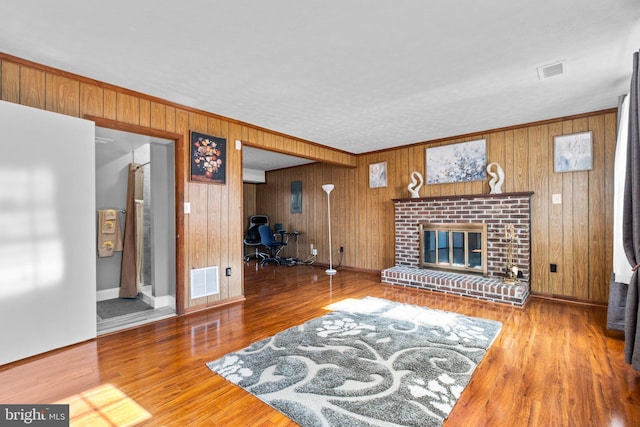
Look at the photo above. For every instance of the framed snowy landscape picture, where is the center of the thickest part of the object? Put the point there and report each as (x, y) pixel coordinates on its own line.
(461, 162)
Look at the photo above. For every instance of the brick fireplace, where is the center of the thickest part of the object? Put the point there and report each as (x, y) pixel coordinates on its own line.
(498, 211)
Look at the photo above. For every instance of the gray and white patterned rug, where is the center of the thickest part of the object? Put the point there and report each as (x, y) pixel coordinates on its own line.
(371, 362)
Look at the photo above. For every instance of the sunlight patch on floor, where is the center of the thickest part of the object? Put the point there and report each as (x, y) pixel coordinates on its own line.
(357, 305)
(105, 405)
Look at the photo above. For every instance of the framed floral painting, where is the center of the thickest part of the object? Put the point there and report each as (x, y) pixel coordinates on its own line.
(208, 158)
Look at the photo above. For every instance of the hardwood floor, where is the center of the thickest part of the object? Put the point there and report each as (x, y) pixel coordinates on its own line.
(553, 363)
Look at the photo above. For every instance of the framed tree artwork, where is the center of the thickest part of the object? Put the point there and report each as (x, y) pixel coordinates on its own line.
(378, 175)
(573, 153)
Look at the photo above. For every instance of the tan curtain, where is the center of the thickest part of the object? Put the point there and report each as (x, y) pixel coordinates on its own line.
(129, 281)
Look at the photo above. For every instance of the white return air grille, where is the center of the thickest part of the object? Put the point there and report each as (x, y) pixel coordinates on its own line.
(551, 70)
(204, 282)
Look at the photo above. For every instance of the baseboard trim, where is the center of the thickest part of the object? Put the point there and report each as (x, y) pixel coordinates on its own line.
(155, 302)
(106, 294)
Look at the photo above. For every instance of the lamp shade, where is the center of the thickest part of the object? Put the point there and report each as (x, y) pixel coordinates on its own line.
(327, 187)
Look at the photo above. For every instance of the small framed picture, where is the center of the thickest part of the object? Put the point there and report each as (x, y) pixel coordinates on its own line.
(378, 175)
(296, 196)
(573, 153)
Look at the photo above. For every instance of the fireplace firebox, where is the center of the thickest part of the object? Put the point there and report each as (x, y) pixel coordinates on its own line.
(457, 247)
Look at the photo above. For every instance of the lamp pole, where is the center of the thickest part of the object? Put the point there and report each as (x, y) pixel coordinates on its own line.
(328, 188)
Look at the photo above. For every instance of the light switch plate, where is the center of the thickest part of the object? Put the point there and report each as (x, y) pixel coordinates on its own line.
(556, 199)
(187, 207)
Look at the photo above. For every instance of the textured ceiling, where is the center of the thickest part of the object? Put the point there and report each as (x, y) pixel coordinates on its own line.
(354, 75)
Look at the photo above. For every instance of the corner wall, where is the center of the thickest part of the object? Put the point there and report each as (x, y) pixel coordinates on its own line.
(576, 234)
(212, 233)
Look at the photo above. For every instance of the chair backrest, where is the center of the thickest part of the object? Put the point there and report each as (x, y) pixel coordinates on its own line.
(266, 236)
(258, 220)
(253, 235)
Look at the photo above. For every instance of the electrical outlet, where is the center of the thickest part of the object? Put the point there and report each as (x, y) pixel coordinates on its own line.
(314, 251)
(227, 272)
(341, 250)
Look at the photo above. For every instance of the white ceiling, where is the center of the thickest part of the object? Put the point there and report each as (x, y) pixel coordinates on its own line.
(262, 160)
(356, 75)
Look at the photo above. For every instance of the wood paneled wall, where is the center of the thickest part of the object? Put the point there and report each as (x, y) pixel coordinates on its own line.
(576, 235)
(212, 233)
(273, 199)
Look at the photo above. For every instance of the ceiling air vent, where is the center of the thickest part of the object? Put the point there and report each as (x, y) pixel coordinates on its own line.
(551, 70)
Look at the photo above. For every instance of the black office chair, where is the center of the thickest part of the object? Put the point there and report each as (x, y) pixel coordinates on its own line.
(274, 246)
(252, 239)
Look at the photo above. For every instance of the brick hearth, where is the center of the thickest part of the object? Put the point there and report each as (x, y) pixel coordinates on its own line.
(496, 210)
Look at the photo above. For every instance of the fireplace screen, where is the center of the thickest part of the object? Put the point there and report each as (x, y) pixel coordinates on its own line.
(454, 247)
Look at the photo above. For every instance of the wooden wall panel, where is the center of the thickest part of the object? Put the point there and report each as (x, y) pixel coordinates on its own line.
(249, 208)
(610, 137)
(555, 217)
(581, 224)
(91, 100)
(509, 166)
(127, 109)
(568, 265)
(235, 225)
(539, 184)
(158, 116)
(171, 119)
(598, 283)
(145, 112)
(62, 95)
(10, 82)
(32, 84)
(110, 104)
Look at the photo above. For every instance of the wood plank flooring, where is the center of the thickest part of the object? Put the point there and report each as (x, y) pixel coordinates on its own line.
(553, 363)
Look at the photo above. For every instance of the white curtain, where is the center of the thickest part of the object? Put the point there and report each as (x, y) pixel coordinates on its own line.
(621, 267)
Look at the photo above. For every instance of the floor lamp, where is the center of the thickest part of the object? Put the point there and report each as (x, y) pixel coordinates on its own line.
(328, 188)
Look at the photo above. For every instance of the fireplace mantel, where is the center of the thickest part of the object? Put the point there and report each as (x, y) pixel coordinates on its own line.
(498, 211)
(466, 196)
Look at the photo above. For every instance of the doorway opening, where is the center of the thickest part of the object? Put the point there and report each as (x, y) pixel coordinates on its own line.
(150, 162)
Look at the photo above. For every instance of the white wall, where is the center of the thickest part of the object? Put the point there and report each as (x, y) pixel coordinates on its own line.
(47, 231)
(163, 220)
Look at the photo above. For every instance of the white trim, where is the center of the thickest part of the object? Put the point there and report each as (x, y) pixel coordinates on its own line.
(106, 294)
(155, 302)
(165, 301)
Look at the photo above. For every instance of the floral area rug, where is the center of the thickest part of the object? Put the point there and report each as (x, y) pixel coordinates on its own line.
(371, 362)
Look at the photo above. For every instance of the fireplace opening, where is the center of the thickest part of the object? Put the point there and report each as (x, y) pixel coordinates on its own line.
(454, 246)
